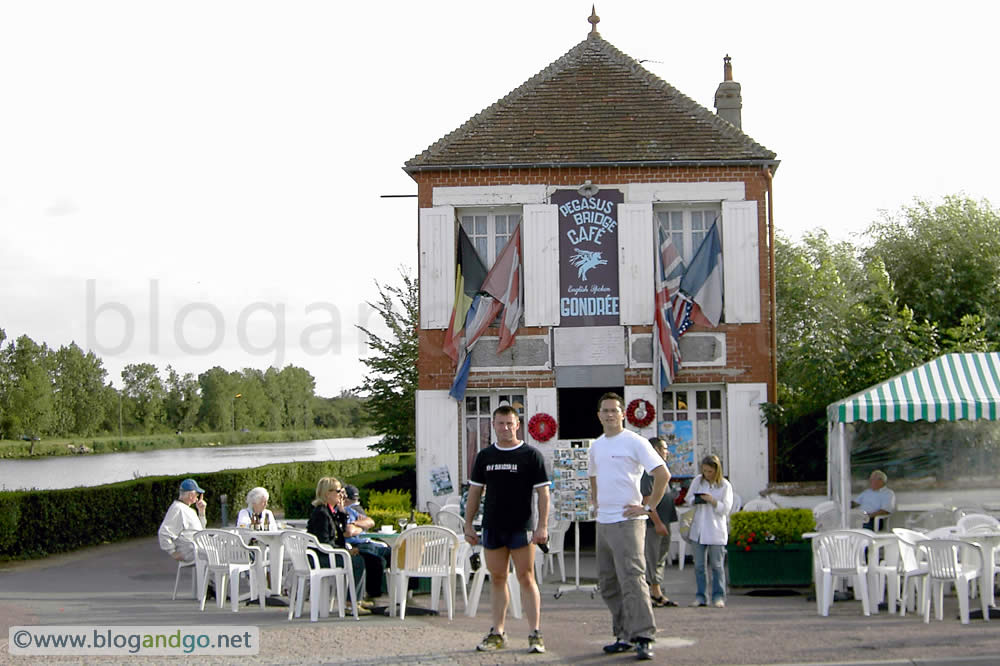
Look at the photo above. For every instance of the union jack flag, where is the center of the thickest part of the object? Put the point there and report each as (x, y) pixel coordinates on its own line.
(672, 310)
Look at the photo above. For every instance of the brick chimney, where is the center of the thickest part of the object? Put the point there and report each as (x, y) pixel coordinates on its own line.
(728, 102)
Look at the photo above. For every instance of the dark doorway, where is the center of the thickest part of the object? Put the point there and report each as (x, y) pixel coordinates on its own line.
(578, 411)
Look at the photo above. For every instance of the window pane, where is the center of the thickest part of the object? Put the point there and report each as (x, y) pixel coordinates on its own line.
(481, 227)
(484, 404)
(467, 224)
(470, 405)
(715, 399)
(481, 248)
(701, 400)
(501, 225)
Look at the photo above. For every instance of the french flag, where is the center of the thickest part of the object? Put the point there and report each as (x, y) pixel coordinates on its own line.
(702, 280)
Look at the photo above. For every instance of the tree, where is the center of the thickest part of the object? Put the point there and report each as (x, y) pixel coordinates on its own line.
(218, 394)
(183, 400)
(840, 329)
(943, 260)
(78, 379)
(391, 385)
(28, 399)
(145, 393)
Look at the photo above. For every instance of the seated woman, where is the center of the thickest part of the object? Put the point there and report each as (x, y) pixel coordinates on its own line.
(257, 516)
(328, 524)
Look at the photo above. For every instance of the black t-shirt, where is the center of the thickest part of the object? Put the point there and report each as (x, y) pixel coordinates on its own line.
(509, 476)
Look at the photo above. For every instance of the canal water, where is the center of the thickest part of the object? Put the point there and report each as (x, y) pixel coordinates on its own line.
(98, 469)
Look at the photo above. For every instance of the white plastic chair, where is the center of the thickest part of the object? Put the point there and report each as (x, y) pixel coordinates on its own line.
(912, 567)
(425, 551)
(513, 590)
(760, 504)
(974, 520)
(451, 520)
(737, 503)
(955, 562)
(945, 532)
(305, 566)
(228, 556)
(194, 578)
(842, 554)
(677, 542)
(827, 516)
(433, 507)
(557, 538)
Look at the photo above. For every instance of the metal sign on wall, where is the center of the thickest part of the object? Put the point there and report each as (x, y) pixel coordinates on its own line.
(588, 257)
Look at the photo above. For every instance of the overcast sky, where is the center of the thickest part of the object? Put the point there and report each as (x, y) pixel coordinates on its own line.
(198, 183)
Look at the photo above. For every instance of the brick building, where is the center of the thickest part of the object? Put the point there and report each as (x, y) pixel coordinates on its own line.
(596, 129)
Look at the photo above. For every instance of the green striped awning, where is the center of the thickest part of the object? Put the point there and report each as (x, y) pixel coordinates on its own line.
(952, 387)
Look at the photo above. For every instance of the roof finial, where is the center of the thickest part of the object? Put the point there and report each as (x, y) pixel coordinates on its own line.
(727, 68)
(593, 20)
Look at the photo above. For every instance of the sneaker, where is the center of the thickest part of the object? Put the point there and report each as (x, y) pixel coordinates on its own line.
(618, 646)
(697, 603)
(493, 641)
(535, 642)
(361, 610)
(366, 603)
(719, 603)
(642, 650)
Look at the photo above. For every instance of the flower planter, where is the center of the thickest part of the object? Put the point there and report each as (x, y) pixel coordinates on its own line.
(768, 565)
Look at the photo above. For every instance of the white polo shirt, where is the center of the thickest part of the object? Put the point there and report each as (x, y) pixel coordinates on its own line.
(618, 463)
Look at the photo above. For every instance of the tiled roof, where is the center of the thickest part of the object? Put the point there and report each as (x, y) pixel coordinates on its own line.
(595, 105)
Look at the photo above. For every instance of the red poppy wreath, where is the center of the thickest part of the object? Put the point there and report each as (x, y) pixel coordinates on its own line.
(640, 413)
(542, 427)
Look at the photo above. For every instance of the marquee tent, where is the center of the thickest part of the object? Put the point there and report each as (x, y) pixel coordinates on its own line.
(952, 387)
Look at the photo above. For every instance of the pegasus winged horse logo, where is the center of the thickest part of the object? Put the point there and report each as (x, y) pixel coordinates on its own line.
(584, 260)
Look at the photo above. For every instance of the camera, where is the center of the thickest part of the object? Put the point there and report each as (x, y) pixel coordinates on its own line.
(699, 500)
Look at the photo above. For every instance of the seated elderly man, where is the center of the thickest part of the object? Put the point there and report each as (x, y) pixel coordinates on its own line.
(876, 500)
(181, 517)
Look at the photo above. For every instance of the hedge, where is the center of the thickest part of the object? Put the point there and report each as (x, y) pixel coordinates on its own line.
(36, 523)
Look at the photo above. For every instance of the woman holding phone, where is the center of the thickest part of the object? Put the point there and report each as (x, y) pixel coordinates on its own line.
(711, 495)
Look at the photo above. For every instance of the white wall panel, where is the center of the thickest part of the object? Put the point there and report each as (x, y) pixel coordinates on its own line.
(635, 263)
(436, 238)
(494, 195)
(437, 440)
(540, 243)
(741, 262)
(747, 468)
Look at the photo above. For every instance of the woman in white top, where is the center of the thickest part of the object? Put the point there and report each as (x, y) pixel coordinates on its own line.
(257, 516)
(712, 498)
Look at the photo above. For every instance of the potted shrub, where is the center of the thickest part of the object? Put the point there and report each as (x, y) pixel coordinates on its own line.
(766, 548)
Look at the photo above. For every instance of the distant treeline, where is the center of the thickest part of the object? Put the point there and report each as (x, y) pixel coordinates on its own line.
(64, 392)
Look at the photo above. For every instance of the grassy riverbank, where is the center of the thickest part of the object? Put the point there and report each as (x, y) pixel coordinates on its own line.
(112, 444)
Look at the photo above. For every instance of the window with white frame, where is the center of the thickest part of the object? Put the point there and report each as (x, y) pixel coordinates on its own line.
(687, 224)
(489, 229)
(704, 407)
(478, 420)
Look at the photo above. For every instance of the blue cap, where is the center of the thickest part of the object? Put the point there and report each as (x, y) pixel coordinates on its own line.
(191, 484)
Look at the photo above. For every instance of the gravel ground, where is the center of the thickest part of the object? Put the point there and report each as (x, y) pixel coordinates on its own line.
(130, 584)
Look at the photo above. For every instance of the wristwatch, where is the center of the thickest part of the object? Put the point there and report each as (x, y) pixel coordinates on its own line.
(647, 508)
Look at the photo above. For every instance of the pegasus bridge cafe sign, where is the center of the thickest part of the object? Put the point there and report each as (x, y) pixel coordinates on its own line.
(588, 257)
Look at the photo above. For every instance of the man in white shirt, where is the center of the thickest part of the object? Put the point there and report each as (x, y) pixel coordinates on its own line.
(617, 460)
(876, 500)
(179, 518)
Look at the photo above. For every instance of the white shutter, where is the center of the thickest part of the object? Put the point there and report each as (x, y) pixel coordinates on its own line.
(635, 263)
(638, 392)
(540, 243)
(437, 441)
(436, 238)
(741, 262)
(747, 468)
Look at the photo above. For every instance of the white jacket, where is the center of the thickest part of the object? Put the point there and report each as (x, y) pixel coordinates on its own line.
(710, 526)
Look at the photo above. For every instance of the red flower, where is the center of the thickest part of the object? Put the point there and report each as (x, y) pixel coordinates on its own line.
(747, 548)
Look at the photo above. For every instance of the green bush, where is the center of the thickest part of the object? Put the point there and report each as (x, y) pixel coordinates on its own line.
(389, 499)
(391, 516)
(36, 523)
(778, 527)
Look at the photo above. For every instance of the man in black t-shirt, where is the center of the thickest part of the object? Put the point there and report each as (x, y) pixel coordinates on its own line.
(512, 470)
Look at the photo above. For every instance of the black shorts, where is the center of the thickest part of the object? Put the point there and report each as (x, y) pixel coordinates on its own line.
(512, 539)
